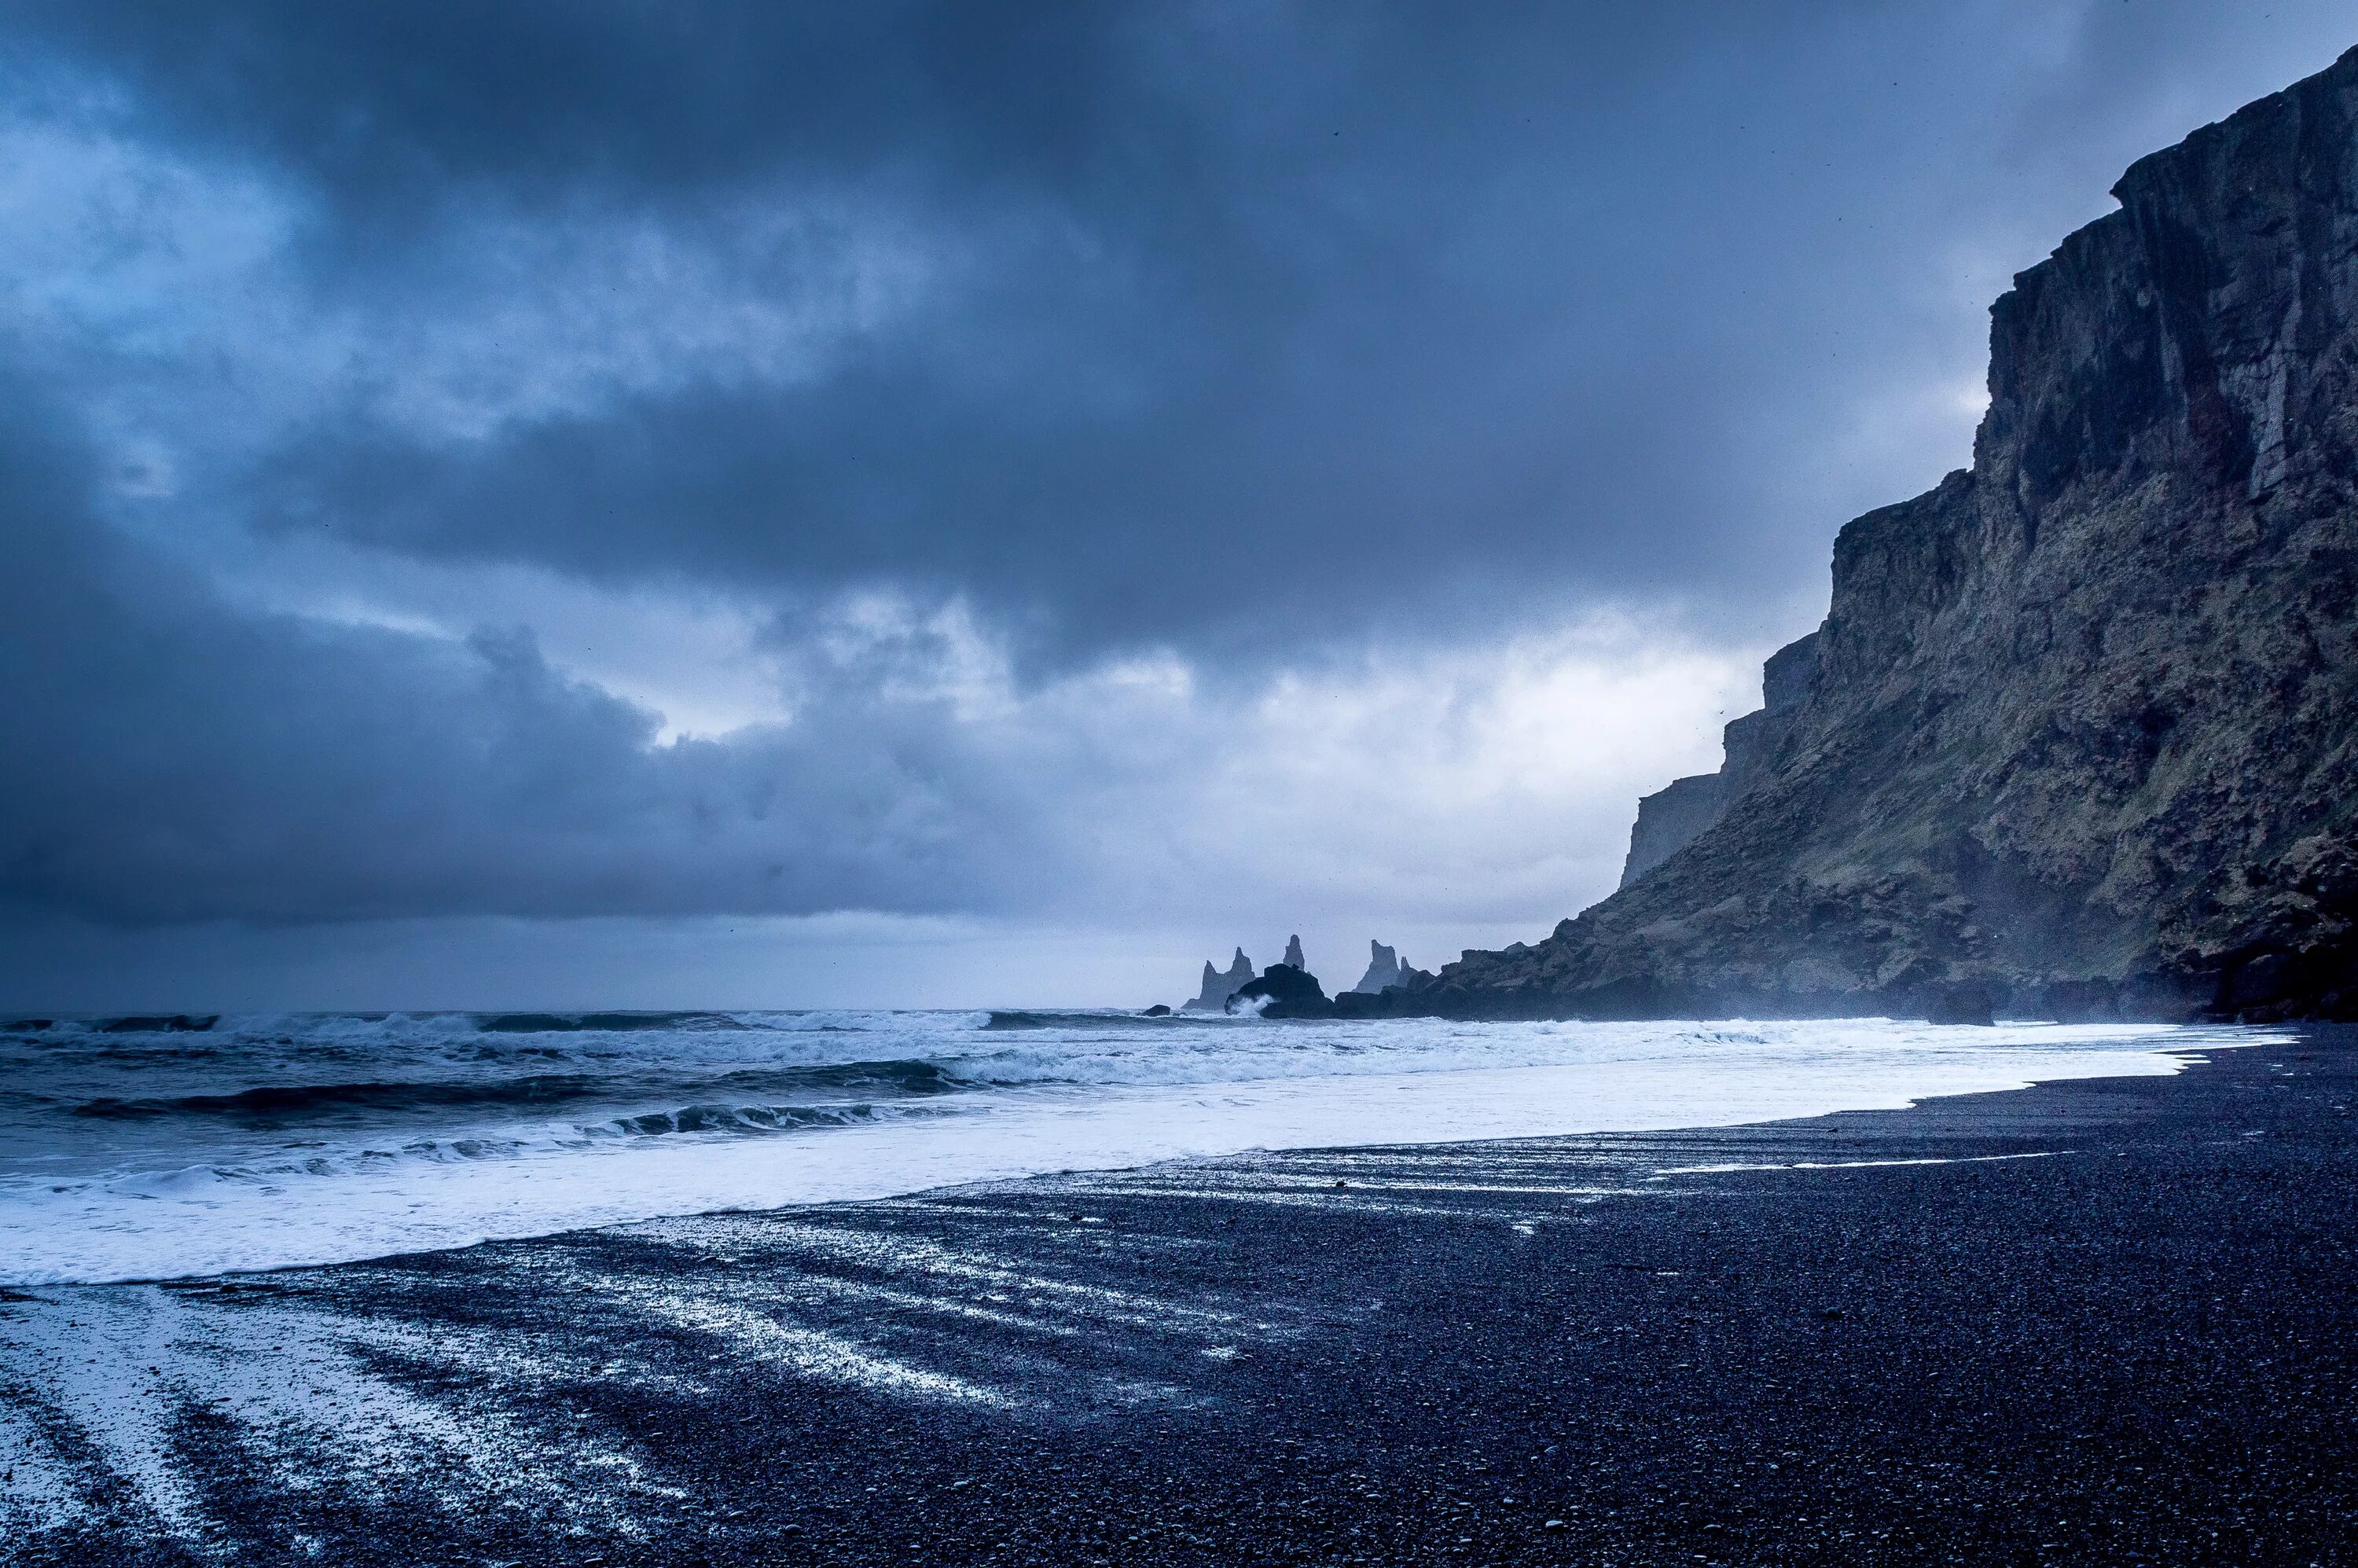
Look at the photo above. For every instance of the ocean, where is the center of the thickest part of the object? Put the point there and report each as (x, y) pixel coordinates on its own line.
(165, 1147)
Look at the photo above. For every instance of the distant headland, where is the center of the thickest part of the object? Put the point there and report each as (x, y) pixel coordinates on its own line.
(2078, 738)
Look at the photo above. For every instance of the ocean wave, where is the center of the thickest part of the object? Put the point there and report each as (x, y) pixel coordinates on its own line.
(908, 1077)
(277, 1172)
(324, 1160)
(602, 1022)
(280, 1099)
(124, 1024)
(1015, 1020)
(758, 1119)
(317, 1030)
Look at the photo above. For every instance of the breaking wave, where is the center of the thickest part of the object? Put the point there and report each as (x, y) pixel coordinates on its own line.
(165, 1145)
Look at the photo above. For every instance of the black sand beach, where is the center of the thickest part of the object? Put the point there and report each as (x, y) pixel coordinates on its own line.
(2115, 1326)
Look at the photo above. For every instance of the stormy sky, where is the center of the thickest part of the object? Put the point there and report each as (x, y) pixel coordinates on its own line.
(605, 504)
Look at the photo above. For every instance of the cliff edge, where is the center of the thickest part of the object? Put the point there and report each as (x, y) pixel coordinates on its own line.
(2079, 735)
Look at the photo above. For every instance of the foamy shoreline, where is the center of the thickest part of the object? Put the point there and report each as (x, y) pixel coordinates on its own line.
(1802, 1330)
(330, 1205)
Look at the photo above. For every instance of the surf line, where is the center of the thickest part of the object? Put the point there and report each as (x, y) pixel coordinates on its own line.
(1857, 1164)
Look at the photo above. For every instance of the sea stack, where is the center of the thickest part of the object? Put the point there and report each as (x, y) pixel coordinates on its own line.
(1283, 991)
(1219, 988)
(1383, 969)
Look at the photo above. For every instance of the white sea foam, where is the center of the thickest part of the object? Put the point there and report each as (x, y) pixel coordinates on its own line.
(269, 1142)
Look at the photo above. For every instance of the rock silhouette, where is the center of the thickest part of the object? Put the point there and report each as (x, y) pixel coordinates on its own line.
(1283, 991)
(1383, 969)
(1218, 986)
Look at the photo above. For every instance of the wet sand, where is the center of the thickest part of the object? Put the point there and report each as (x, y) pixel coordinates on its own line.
(2109, 1320)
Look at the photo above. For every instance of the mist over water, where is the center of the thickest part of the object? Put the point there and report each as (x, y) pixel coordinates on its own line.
(160, 1148)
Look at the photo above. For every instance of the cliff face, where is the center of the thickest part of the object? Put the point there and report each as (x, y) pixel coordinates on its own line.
(2082, 737)
(1675, 815)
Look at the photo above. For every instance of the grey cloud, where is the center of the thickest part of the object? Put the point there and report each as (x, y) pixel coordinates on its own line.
(1247, 330)
(178, 757)
(1227, 505)
(1270, 324)
(172, 757)
(378, 98)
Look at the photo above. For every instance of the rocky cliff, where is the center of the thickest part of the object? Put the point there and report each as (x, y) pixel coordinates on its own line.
(1675, 815)
(2081, 734)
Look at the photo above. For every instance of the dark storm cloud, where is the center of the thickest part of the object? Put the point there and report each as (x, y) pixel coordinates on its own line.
(172, 757)
(177, 756)
(1147, 105)
(1247, 330)
(1319, 316)
(1270, 319)
(388, 102)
